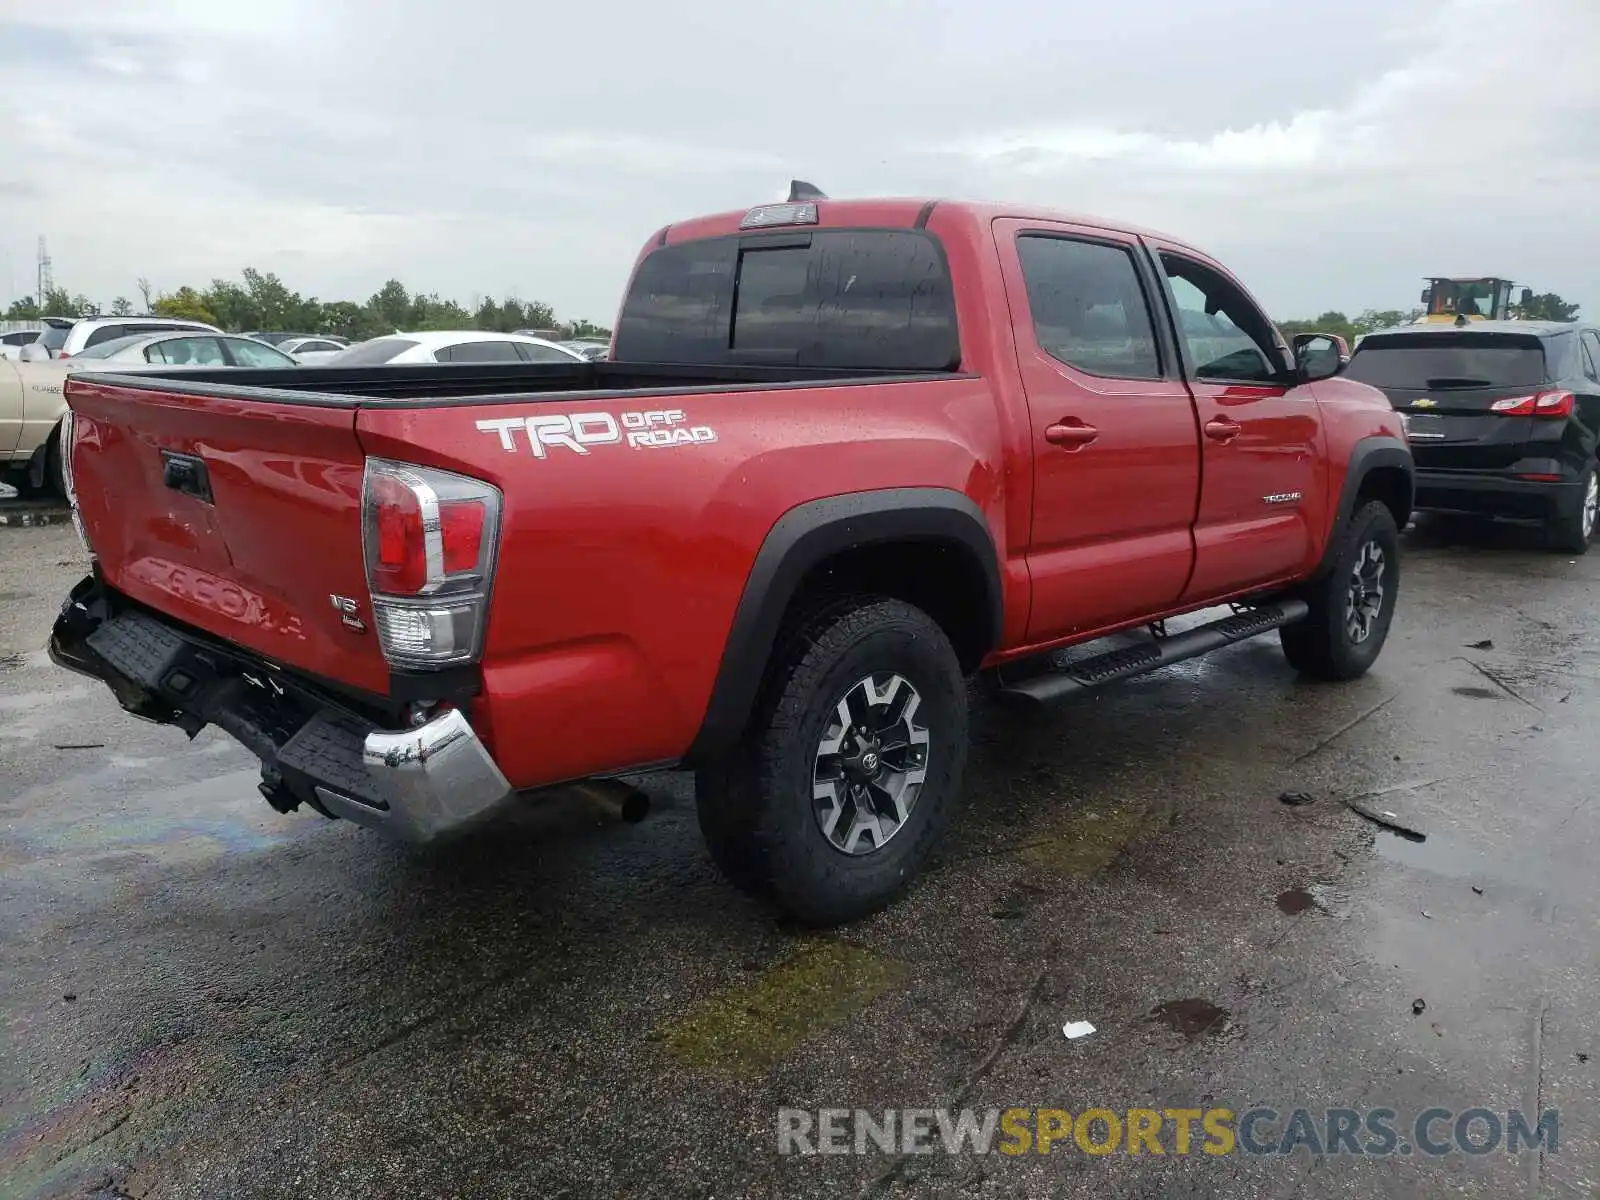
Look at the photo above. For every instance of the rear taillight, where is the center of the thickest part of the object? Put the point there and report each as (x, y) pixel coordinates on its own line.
(429, 538)
(1553, 404)
(1543, 404)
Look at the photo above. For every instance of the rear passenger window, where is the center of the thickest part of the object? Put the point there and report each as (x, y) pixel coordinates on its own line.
(852, 298)
(1088, 307)
(1591, 355)
(867, 299)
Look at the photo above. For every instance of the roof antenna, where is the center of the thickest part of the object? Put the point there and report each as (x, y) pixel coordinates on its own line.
(799, 190)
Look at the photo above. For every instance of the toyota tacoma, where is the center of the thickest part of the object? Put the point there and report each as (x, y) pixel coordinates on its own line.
(844, 456)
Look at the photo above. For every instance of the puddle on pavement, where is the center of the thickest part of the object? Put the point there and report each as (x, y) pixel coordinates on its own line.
(1091, 839)
(1451, 859)
(1295, 901)
(746, 1030)
(1437, 854)
(101, 1110)
(1194, 1017)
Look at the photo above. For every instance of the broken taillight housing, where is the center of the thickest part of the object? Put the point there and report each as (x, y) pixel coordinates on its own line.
(429, 538)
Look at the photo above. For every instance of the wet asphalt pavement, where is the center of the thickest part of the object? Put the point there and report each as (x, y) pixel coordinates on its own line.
(202, 998)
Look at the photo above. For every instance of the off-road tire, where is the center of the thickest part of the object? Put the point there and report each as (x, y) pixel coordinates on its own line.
(1321, 646)
(1570, 531)
(755, 805)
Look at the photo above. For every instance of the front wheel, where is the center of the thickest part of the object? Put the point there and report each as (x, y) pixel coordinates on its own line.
(849, 770)
(1352, 604)
(1571, 531)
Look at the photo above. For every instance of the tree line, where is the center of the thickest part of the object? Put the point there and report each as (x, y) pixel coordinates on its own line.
(262, 301)
(1546, 306)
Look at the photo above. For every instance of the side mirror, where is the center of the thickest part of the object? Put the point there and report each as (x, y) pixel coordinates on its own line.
(33, 352)
(1526, 297)
(1319, 355)
(1427, 294)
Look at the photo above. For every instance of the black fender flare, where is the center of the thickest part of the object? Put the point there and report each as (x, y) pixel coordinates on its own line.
(1371, 453)
(807, 535)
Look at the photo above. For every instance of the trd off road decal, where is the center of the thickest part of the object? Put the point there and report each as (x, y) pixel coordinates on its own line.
(653, 430)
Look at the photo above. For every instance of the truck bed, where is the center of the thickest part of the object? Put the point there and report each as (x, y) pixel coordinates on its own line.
(429, 384)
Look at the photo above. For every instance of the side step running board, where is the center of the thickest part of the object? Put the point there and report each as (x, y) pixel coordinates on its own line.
(1128, 661)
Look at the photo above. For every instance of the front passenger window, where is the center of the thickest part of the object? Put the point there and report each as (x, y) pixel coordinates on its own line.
(1227, 338)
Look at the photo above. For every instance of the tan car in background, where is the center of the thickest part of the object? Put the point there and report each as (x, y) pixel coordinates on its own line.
(31, 404)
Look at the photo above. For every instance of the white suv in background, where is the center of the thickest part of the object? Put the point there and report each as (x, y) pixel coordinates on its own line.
(11, 344)
(64, 342)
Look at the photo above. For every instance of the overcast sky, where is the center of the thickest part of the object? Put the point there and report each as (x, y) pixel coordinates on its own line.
(1331, 152)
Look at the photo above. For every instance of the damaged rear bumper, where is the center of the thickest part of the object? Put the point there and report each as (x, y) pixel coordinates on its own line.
(418, 784)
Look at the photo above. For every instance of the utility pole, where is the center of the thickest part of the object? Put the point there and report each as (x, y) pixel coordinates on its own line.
(47, 281)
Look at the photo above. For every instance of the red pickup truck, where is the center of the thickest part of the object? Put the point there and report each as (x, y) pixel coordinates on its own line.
(845, 455)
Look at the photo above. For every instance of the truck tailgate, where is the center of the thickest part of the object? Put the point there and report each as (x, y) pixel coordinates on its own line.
(241, 517)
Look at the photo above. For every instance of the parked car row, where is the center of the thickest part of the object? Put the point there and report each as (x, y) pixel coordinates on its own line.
(62, 338)
(32, 399)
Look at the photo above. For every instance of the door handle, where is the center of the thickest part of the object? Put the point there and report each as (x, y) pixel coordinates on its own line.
(1071, 436)
(1220, 429)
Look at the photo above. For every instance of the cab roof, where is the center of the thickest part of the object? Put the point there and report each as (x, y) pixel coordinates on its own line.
(900, 213)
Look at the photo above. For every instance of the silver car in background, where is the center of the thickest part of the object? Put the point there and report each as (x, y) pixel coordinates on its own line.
(184, 349)
(310, 350)
(459, 346)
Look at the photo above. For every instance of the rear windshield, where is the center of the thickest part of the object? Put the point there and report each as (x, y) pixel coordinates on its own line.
(370, 354)
(54, 337)
(1435, 360)
(868, 299)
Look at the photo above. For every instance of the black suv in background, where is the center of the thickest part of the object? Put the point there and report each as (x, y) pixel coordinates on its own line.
(1503, 417)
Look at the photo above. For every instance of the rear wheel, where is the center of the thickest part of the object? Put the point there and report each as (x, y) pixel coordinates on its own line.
(1352, 604)
(847, 775)
(1571, 531)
